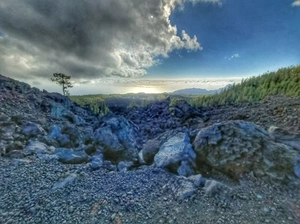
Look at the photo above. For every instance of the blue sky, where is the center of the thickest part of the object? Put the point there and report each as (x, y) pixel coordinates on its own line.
(147, 46)
(239, 38)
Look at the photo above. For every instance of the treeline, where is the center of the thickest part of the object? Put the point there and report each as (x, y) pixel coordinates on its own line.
(94, 102)
(286, 81)
(100, 103)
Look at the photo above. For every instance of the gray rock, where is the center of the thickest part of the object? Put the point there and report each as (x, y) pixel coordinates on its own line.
(31, 129)
(96, 162)
(286, 137)
(185, 169)
(36, 147)
(238, 147)
(213, 188)
(75, 119)
(63, 140)
(15, 154)
(175, 150)
(109, 166)
(117, 139)
(55, 131)
(63, 182)
(150, 149)
(124, 165)
(68, 156)
(183, 188)
(48, 157)
(198, 180)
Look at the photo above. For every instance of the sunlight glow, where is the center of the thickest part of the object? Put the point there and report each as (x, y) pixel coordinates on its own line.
(143, 89)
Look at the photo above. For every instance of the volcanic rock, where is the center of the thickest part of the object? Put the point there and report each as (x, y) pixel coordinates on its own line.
(238, 147)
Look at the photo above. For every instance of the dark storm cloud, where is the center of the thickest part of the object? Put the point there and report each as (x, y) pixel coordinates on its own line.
(88, 38)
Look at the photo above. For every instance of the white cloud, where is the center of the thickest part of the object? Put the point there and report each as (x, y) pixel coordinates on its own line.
(232, 56)
(89, 38)
(296, 3)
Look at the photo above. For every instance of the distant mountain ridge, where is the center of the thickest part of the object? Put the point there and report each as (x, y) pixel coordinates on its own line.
(198, 91)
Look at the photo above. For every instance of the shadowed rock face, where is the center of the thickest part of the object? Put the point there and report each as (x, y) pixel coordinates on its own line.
(238, 147)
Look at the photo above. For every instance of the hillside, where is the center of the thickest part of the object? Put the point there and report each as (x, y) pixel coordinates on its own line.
(164, 162)
(285, 81)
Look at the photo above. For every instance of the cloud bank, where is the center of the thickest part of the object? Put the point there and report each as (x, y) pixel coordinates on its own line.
(88, 38)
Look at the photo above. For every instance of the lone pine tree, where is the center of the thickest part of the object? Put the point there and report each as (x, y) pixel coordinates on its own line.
(63, 80)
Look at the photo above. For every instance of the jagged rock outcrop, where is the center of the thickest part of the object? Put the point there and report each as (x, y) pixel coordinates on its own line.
(116, 136)
(238, 147)
(27, 113)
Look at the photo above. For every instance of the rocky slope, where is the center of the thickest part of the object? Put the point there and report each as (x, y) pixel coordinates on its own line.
(158, 164)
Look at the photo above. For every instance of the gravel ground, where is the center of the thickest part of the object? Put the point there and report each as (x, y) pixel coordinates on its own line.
(143, 195)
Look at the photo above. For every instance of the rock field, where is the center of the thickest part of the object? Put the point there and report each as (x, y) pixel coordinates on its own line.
(61, 163)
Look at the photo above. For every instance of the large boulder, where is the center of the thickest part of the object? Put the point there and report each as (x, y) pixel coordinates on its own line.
(117, 138)
(176, 155)
(152, 146)
(238, 147)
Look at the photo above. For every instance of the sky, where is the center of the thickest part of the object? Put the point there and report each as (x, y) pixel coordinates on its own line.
(113, 46)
